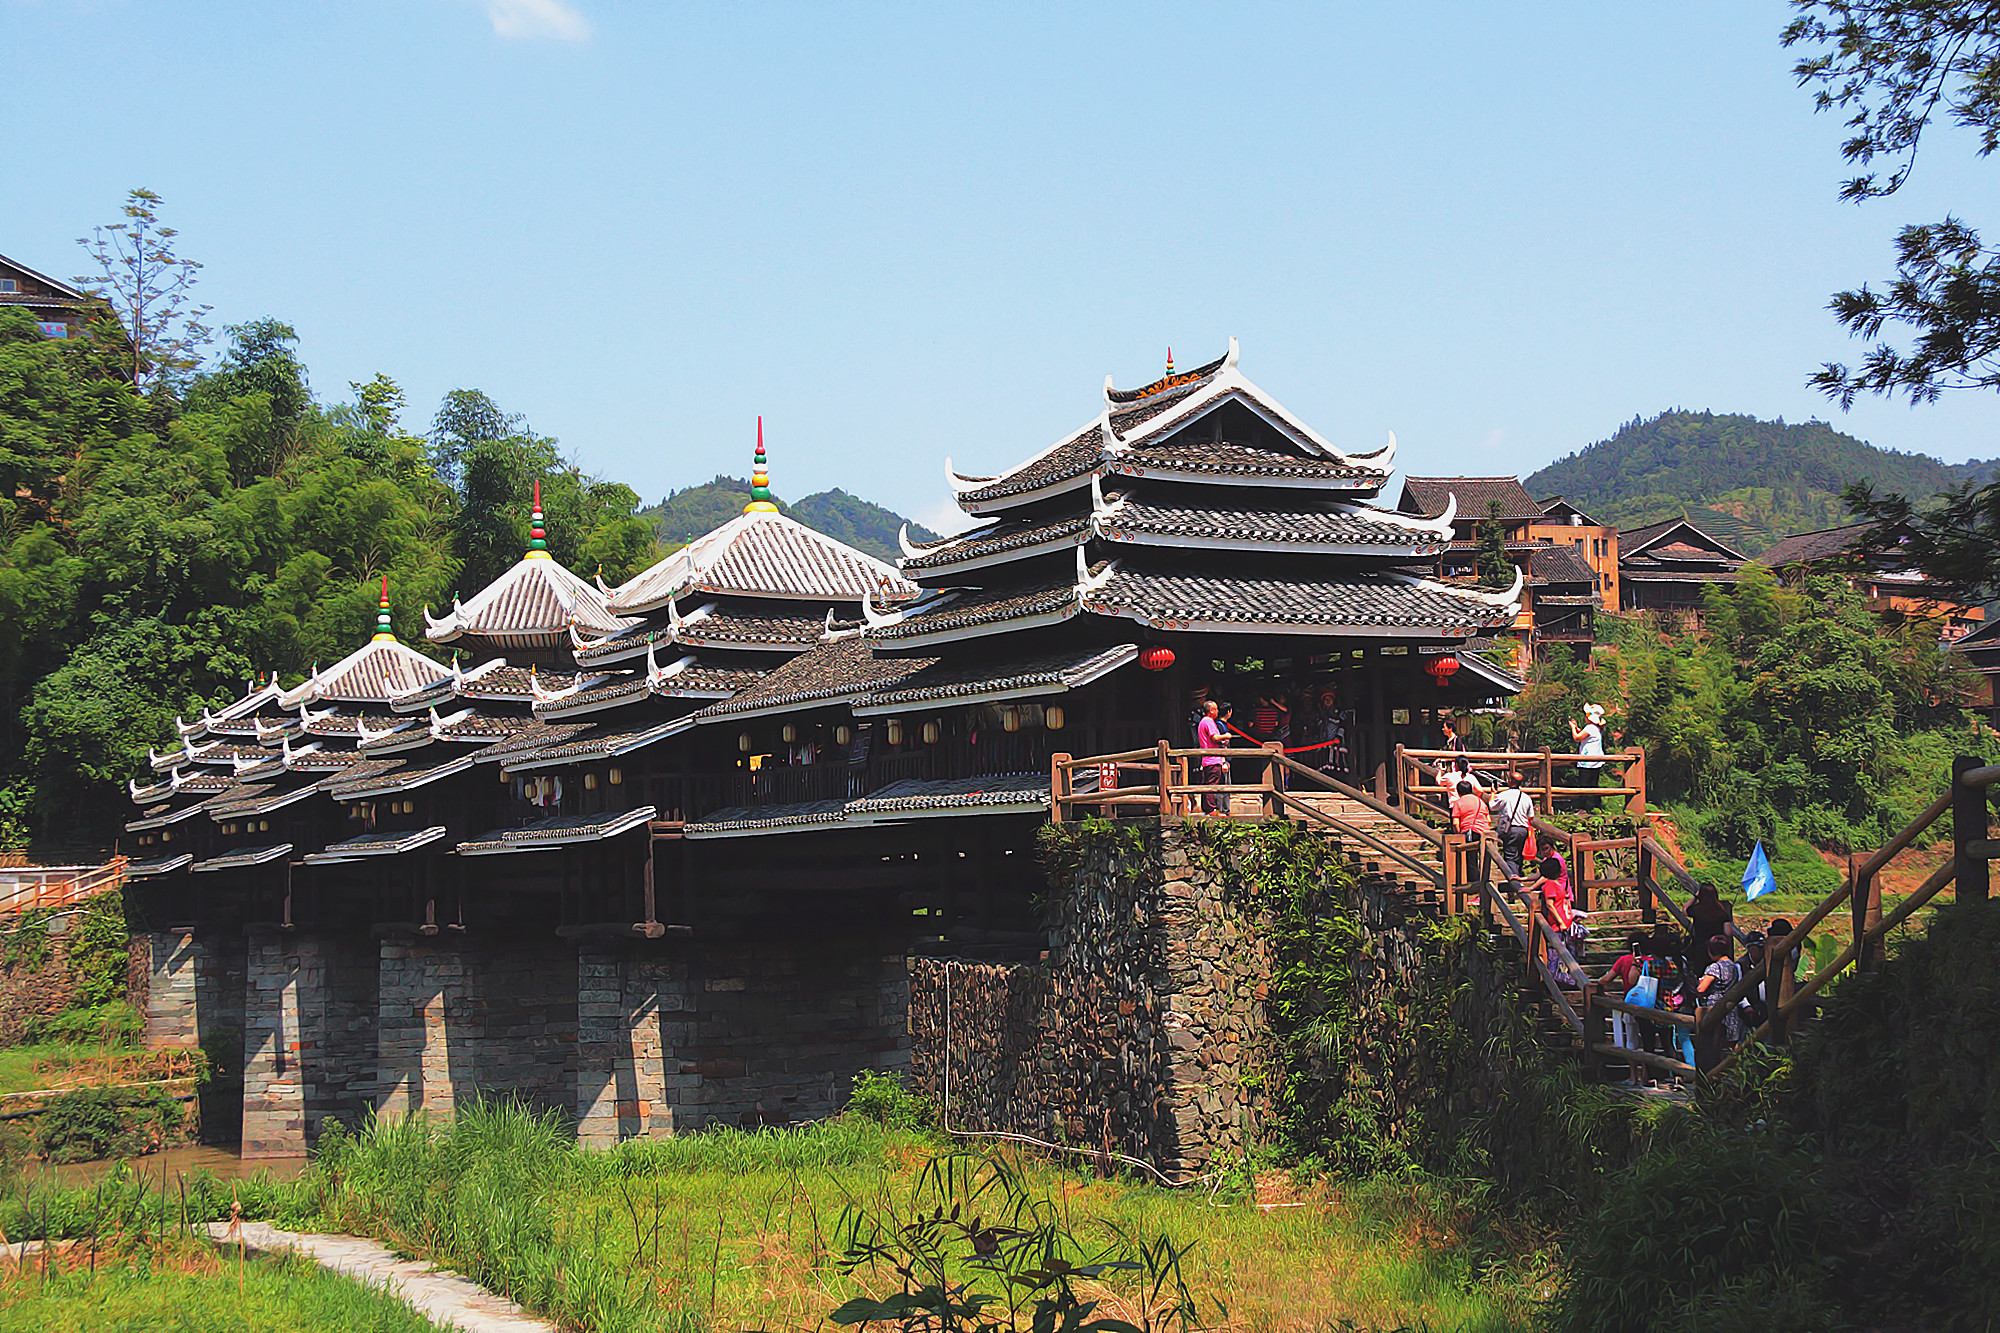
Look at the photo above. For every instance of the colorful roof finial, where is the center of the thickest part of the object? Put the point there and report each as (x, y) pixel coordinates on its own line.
(1170, 360)
(382, 630)
(538, 538)
(760, 480)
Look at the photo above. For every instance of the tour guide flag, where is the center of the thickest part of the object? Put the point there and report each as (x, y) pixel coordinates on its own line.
(1757, 877)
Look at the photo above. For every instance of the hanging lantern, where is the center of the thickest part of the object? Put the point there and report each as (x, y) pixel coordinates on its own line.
(1010, 718)
(1156, 657)
(590, 782)
(1442, 668)
(615, 776)
(1052, 717)
(790, 733)
(842, 735)
(895, 731)
(743, 742)
(931, 733)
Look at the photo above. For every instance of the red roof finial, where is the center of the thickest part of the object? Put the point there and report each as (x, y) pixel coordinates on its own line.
(1170, 360)
(538, 538)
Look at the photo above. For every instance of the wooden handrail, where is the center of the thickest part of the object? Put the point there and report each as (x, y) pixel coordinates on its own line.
(1286, 799)
(1368, 799)
(1609, 756)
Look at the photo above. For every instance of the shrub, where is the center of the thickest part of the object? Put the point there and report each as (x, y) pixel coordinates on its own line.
(88, 1124)
(885, 1099)
(115, 1024)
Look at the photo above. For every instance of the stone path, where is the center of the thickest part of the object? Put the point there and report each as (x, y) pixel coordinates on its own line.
(442, 1297)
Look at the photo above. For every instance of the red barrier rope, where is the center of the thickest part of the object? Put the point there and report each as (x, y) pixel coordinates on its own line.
(1294, 749)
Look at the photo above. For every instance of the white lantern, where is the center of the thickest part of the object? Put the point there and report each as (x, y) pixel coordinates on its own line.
(790, 733)
(743, 742)
(895, 731)
(1052, 717)
(842, 735)
(590, 782)
(1010, 718)
(931, 733)
(616, 777)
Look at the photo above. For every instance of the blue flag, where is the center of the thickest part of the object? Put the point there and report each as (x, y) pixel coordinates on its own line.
(1757, 877)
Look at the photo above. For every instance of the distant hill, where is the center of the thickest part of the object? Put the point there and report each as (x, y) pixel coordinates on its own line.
(1758, 480)
(686, 514)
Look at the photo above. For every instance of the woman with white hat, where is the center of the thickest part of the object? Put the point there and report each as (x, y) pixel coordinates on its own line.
(1589, 739)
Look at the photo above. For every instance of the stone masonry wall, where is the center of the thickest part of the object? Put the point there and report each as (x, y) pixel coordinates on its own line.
(1137, 1029)
(309, 1038)
(460, 1020)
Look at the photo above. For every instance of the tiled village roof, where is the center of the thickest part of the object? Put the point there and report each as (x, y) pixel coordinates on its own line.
(1807, 548)
(602, 740)
(244, 856)
(492, 680)
(1561, 564)
(531, 735)
(1009, 534)
(763, 554)
(558, 832)
(739, 819)
(1476, 497)
(376, 844)
(164, 865)
(1221, 458)
(970, 682)
(408, 775)
(1635, 541)
(1055, 596)
(918, 796)
(533, 604)
(1347, 527)
(1172, 599)
(259, 800)
(674, 681)
(831, 672)
(372, 673)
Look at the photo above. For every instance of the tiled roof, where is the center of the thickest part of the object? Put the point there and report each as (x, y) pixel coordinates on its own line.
(1807, 548)
(1476, 497)
(763, 554)
(830, 672)
(1662, 574)
(364, 771)
(350, 724)
(321, 761)
(160, 816)
(986, 606)
(1221, 458)
(1304, 525)
(533, 604)
(1169, 382)
(914, 796)
(371, 673)
(258, 801)
(1634, 541)
(741, 819)
(406, 776)
(1589, 599)
(557, 832)
(165, 865)
(1561, 564)
(236, 860)
(604, 740)
(1009, 534)
(1048, 673)
(1170, 599)
(693, 681)
(375, 844)
(1078, 456)
(532, 735)
(492, 681)
(1683, 552)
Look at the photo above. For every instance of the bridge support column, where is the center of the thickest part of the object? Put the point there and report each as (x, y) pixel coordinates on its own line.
(630, 1010)
(307, 1039)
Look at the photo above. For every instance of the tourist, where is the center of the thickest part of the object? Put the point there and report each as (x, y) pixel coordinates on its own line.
(1197, 710)
(1624, 974)
(1589, 740)
(1513, 813)
(1780, 931)
(1462, 772)
(1720, 974)
(1453, 742)
(1711, 917)
(1758, 999)
(1558, 901)
(1473, 821)
(1213, 739)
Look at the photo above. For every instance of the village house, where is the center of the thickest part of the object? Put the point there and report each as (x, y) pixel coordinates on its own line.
(1670, 566)
(59, 309)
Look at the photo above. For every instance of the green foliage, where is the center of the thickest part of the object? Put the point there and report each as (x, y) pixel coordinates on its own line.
(92, 1123)
(115, 1023)
(887, 1100)
(1496, 568)
(973, 1248)
(688, 513)
(1777, 478)
(279, 1294)
(26, 944)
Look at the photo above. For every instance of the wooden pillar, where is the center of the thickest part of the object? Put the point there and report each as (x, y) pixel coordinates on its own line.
(1380, 738)
(1166, 779)
(1548, 783)
(1648, 911)
(1969, 832)
(1635, 776)
(1058, 785)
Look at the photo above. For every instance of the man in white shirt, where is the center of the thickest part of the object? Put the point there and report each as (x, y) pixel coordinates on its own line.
(1512, 811)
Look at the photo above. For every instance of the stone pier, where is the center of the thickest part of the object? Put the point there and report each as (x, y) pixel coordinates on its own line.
(308, 1038)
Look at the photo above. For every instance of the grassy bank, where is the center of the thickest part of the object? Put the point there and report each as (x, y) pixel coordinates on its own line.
(190, 1289)
(730, 1230)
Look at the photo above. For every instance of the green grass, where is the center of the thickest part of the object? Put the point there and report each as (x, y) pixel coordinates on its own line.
(199, 1294)
(736, 1230)
(17, 1063)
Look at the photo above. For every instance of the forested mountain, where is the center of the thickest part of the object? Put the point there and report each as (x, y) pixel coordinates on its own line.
(1773, 478)
(686, 514)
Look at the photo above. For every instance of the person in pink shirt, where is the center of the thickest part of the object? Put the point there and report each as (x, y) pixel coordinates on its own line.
(1213, 740)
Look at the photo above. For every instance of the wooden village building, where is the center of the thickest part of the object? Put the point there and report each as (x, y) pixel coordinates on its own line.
(1670, 566)
(656, 854)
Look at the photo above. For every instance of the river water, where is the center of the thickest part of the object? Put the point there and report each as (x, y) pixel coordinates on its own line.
(219, 1162)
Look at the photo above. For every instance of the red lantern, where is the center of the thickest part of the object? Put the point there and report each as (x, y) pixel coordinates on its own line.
(1442, 668)
(1156, 657)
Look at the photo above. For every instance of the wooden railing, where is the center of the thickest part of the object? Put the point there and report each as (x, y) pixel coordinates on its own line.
(54, 895)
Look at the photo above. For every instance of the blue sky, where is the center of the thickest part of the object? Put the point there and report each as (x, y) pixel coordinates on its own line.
(902, 232)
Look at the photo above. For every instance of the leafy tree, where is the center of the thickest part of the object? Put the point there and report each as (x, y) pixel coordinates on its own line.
(1955, 540)
(151, 288)
(1893, 65)
(467, 418)
(1496, 570)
